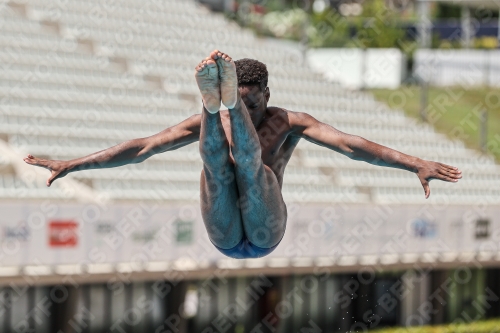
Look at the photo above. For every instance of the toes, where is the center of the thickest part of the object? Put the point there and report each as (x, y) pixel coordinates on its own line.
(200, 67)
(34, 161)
(208, 61)
(226, 58)
(29, 159)
(215, 54)
(201, 64)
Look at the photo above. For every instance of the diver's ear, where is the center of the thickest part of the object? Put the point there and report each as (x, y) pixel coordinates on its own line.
(267, 94)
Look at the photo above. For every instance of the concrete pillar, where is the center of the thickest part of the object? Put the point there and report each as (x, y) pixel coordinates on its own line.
(416, 290)
(466, 25)
(424, 27)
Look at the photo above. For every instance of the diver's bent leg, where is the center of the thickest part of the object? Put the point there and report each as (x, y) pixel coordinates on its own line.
(245, 141)
(263, 210)
(218, 189)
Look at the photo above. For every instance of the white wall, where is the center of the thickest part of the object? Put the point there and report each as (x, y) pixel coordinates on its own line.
(356, 68)
(458, 67)
(139, 233)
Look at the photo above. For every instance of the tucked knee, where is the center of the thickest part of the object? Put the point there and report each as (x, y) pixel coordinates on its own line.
(264, 237)
(260, 236)
(268, 233)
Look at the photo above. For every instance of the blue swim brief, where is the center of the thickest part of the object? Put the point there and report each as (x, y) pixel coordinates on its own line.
(244, 250)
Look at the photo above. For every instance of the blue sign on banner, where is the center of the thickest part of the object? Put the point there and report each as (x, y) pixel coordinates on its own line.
(423, 228)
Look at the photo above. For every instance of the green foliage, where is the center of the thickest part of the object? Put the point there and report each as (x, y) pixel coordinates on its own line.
(275, 5)
(490, 326)
(378, 27)
(287, 24)
(447, 118)
(451, 10)
(445, 10)
(328, 29)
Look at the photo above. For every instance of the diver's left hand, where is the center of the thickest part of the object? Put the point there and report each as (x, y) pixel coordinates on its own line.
(428, 170)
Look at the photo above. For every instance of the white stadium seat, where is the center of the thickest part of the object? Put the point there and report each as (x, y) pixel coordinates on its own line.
(110, 73)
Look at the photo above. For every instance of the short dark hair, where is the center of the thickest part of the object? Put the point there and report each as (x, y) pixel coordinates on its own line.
(250, 72)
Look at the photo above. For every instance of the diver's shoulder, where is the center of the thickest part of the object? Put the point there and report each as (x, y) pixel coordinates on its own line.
(276, 110)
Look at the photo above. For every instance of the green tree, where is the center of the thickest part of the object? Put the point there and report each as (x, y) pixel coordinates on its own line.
(378, 26)
(328, 29)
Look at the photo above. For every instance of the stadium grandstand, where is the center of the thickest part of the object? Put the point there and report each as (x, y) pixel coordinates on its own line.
(125, 249)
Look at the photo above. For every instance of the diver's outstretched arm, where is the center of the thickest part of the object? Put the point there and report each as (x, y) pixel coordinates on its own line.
(128, 152)
(360, 149)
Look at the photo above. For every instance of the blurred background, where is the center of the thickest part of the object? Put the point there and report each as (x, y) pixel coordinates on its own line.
(126, 250)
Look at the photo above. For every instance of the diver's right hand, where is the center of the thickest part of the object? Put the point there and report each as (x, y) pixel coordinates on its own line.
(58, 169)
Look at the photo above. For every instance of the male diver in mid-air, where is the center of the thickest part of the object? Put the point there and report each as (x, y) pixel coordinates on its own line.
(245, 150)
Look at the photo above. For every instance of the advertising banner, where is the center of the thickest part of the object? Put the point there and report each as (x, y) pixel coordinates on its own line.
(65, 234)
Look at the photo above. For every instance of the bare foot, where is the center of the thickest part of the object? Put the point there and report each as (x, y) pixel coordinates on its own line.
(207, 77)
(228, 78)
(58, 169)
